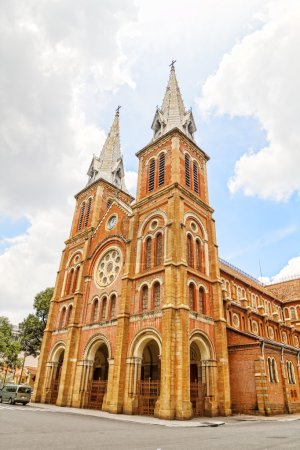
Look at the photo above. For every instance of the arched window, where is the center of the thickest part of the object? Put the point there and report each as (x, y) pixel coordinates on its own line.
(145, 298)
(69, 313)
(74, 285)
(81, 215)
(272, 366)
(148, 253)
(103, 312)
(190, 253)
(88, 211)
(69, 283)
(196, 177)
(95, 310)
(62, 318)
(161, 170)
(201, 301)
(151, 175)
(290, 372)
(158, 249)
(187, 171)
(113, 306)
(192, 297)
(198, 254)
(293, 313)
(156, 295)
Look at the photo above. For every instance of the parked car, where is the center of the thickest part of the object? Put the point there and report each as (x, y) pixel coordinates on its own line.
(15, 393)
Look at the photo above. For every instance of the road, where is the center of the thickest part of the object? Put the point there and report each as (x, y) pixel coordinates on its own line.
(33, 428)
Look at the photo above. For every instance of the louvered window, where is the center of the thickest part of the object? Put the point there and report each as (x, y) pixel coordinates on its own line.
(151, 175)
(144, 298)
(81, 215)
(156, 295)
(201, 300)
(187, 171)
(161, 170)
(148, 253)
(158, 259)
(88, 211)
(196, 177)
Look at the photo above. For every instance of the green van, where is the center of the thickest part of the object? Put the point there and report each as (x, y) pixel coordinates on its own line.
(15, 393)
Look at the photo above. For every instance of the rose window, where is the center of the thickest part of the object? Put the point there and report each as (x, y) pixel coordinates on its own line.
(108, 267)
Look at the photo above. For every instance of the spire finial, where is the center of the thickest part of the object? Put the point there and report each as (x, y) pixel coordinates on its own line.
(172, 64)
(118, 110)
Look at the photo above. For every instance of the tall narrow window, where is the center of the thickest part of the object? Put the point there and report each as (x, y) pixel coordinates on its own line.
(69, 313)
(113, 306)
(62, 318)
(201, 301)
(161, 170)
(187, 171)
(148, 253)
(192, 297)
(156, 295)
(109, 202)
(69, 282)
(88, 211)
(198, 255)
(103, 314)
(81, 215)
(145, 298)
(190, 255)
(290, 372)
(196, 177)
(293, 313)
(158, 252)
(95, 310)
(151, 175)
(76, 273)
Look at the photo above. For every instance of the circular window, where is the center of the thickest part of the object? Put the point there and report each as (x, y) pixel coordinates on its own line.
(194, 226)
(154, 225)
(254, 327)
(111, 222)
(108, 267)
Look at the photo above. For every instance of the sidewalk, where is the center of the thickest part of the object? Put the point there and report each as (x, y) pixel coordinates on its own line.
(197, 422)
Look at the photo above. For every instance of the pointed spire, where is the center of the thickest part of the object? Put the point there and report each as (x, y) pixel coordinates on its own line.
(109, 165)
(172, 112)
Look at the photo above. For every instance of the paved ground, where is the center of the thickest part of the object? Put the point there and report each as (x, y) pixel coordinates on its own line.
(37, 427)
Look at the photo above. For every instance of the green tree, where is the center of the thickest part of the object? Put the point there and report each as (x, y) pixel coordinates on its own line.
(9, 347)
(33, 326)
(5, 334)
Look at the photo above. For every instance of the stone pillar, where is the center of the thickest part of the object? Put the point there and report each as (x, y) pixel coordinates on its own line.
(261, 384)
(133, 375)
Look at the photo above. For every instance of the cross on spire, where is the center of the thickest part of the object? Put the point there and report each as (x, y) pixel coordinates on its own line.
(172, 64)
(118, 110)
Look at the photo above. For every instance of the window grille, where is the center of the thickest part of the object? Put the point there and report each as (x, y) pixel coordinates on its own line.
(272, 366)
(187, 171)
(156, 289)
(103, 315)
(159, 249)
(191, 296)
(161, 170)
(144, 298)
(196, 177)
(88, 211)
(151, 175)
(148, 253)
(81, 216)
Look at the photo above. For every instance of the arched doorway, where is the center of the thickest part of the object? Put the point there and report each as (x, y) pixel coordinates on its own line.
(99, 376)
(201, 375)
(56, 374)
(149, 384)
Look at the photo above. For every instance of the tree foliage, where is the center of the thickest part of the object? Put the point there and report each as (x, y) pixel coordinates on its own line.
(5, 334)
(33, 326)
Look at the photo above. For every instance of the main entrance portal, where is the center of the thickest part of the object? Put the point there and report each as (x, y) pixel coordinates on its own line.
(98, 383)
(149, 384)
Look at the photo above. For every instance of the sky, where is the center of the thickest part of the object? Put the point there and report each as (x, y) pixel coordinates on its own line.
(66, 66)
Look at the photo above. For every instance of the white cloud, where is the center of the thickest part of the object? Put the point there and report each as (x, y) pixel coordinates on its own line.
(259, 77)
(131, 181)
(291, 269)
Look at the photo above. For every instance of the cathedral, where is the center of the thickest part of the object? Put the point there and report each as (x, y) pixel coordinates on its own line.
(145, 317)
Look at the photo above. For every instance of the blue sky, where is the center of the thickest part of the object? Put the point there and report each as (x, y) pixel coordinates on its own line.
(67, 66)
